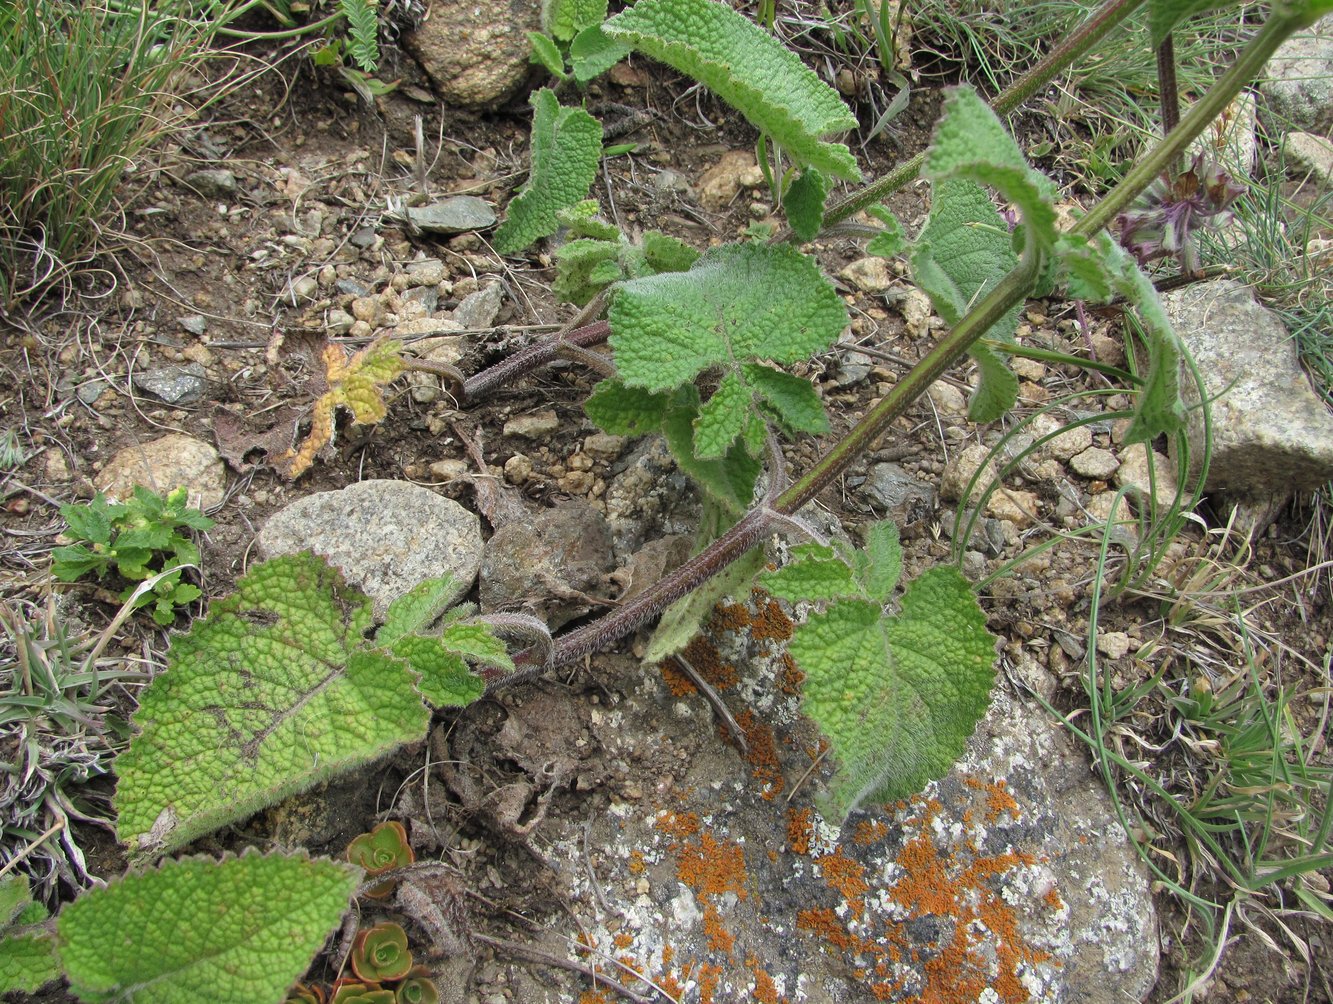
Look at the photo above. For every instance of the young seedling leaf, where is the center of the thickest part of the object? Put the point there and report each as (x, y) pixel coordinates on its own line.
(356, 383)
(28, 962)
(804, 203)
(626, 411)
(963, 250)
(274, 691)
(236, 931)
(1159, 409)
(728, 480)
(592, 53)
(892, 240)
(896, 696)
(566, 18)
(791, 400)
(879, 565)
(443, 677)
(750, 70)
(815, 572)
(547, 54)
(971, 142)
(566, 148)
(664, 253)
(721, 418)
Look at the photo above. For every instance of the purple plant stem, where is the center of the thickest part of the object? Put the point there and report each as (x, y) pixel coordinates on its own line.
(532, 357)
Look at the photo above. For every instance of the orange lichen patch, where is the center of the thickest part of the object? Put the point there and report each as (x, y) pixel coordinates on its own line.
(790, 678)
(770, 622)
(719, 938)
(1052, 900)
(678, 825)
(730, 617)
(868, 831)
(673, 988)
(763, 754)
(712, 867)
(800, 828)
(998, 798)
(636, 864)
(703, 655)
(668, 953)
(594, 997)
(710, 977)
(847, 876)
(765, 990)
(980, 947)
(677, 682)
(623, 940)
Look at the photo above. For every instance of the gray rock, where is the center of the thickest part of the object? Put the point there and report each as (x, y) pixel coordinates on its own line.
(973, 462)
(1307, 152)
(870, 275)
(163, 464)
(460, 214)
(427, 296)
(384, 536)
(1095, 462)
(476, 54)
(554, 566)
(363, 238)
(648, 497)
(479, 309)
(212, 183)
(538, 425)
(352, 287)
(195, 324)
(1300, 86)
(427, 272)
(183, 385)
(907, 500)
(1272, 434)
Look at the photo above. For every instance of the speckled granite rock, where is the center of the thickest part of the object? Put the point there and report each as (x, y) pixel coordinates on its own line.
(476, 54)
(384, 536)
(162, 464)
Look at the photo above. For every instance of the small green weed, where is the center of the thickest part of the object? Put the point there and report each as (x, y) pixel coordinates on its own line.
(138, 540)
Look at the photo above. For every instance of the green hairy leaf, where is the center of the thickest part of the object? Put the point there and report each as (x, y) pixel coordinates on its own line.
(891, 242)
(1164, 15)
(804, 203)
(728, 480)
(28, 959)
(274, 691)
(547, 53)
(750, 70)
(592, 53)
(566, 18)
(236, 931)
(897, 696)
(626, 411)
(971, 142)
(566, 148)
(738, 305)
(964, 249)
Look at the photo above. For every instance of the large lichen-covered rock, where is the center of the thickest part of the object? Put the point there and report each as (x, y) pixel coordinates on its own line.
(1272, 434)
(1007, 880)
(476, 54)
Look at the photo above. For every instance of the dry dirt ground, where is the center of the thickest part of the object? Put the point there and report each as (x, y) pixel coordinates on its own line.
(316, 167)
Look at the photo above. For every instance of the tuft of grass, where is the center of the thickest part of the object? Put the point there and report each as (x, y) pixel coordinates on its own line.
(59, 731)
(83, 90)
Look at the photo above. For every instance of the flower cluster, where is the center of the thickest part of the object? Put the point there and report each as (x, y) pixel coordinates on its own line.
(1174, 208)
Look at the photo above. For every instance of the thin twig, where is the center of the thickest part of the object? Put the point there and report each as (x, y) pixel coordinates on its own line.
(547, 959)
(715, 699)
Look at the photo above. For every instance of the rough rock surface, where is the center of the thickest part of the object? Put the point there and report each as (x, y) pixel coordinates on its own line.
(1010, 876)
(555, 565)
(1271, 432)
(384, 536)
(164, 464)
(1307, 152)
(1299, 88)
(476, 54)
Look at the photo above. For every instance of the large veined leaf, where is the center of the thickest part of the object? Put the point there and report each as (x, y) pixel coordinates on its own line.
(28, 958)
(274, 691)
(898, 695)
(750, 70)
(738, 306)
(566, 147)
(236, 931)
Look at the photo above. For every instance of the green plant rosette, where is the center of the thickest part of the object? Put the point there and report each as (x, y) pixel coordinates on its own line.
(380, 953)
(383, 849)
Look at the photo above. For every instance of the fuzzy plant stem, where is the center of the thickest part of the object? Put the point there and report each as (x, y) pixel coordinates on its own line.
(532, 357)
(1083, 38)
(1279, 26)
